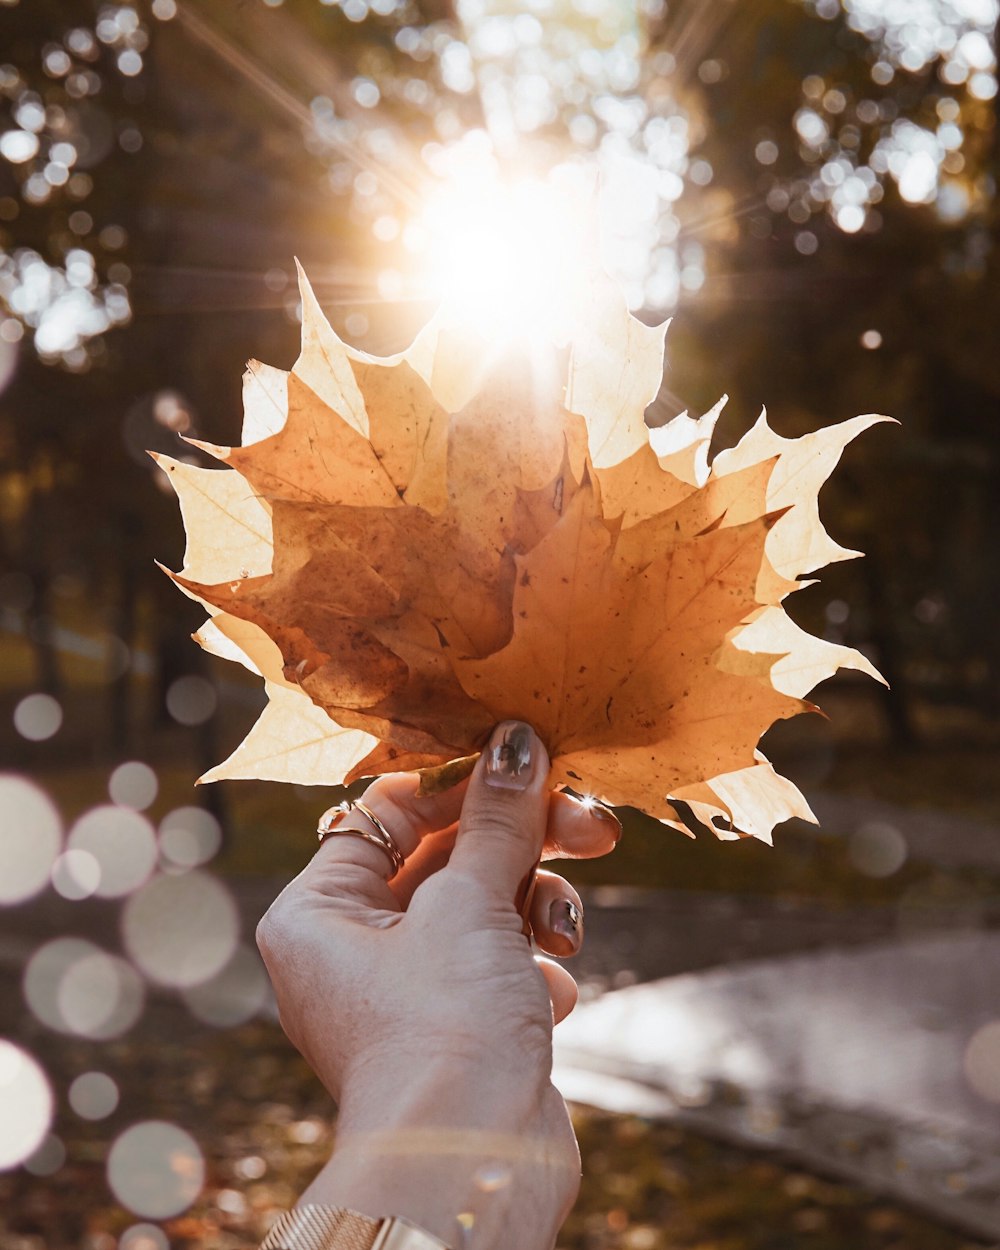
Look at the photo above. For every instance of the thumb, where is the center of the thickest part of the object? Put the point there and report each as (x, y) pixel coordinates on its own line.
(502, 826)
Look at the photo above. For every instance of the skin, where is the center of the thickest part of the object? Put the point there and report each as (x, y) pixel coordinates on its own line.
(420, 1005)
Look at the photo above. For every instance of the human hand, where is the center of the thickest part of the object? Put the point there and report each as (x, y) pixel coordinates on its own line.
(420, 1006)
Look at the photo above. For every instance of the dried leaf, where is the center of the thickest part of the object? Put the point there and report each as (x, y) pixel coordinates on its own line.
(801, 544)
(293, 739)
(746, 803)
(265, 401)
(410, 549)
(615, 371)
(434, 780)
(227, 525)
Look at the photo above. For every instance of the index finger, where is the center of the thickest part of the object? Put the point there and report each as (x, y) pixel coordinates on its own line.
(575, 829)
(352, 867)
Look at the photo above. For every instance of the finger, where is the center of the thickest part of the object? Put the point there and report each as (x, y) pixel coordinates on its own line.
(556, 915)
(504, 816)
(562, 988)
(430, 857)
(576, 830)
(579, 828)
(349, 866)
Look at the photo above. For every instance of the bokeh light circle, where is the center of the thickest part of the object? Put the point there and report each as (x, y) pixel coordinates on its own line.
(74, 987)
(181, 930)
(234, 995)
(76, 874)
(123, 843)
(134, 785)
(93, 1095)
(189, 836)
(26, 1105)
(156, 1169)
(30, 838)
(877, 849)
(250, 1167)
(90, 994)
(191, 700)
(143, 1237)
(982, 1061)
(47, 1158)
(38, 717)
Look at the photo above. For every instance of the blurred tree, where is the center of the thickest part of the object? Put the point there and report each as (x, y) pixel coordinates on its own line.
(814, 185)
(856, 270)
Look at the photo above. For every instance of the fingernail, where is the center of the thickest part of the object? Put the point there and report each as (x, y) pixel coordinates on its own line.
(565, 918)
(508, 756)
(606, 816)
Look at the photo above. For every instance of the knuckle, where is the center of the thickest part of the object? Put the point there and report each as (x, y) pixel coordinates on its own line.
(344, 883)
(390, 802)
(399, 819)
(273, 926)
(497, 827)
(384, 795)
(378, 788)
(264, 933)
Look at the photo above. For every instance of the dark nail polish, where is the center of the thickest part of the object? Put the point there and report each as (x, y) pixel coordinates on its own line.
(508, 756)
(566, 919)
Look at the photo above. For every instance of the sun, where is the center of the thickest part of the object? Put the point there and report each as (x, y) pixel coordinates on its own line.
(505, 254)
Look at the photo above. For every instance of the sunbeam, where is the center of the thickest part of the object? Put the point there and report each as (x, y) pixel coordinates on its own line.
(292, 107)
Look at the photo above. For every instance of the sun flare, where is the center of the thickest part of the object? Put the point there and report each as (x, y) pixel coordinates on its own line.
(505, 254)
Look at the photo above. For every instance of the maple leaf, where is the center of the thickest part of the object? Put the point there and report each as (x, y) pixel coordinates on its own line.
(409, 549)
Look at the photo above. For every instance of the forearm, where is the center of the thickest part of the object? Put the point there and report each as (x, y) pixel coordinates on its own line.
(454, 1155)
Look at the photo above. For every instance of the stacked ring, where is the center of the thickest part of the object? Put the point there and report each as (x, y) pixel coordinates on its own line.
(329, 824)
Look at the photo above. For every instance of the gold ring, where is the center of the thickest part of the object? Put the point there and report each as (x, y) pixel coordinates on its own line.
(329, 824)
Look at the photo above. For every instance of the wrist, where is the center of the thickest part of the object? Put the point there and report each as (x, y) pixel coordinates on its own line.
(454, 1149)
(407, 1092)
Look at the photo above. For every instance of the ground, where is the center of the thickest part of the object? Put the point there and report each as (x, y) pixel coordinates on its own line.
(264, 1124)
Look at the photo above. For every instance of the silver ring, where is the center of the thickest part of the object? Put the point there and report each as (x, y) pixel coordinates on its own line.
(329, 824)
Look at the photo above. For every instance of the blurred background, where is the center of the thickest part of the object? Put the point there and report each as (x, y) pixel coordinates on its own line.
(797, 1046)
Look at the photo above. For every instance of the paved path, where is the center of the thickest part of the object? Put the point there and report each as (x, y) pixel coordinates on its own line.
(854, 1060)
